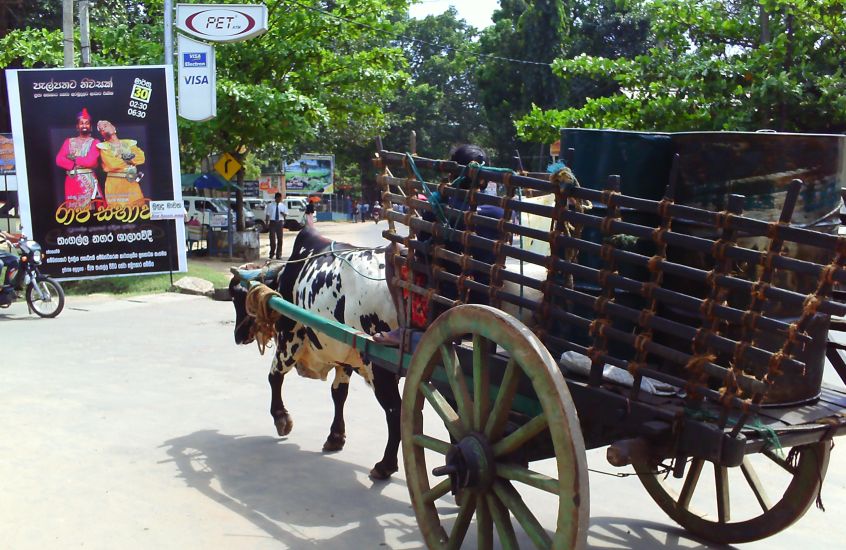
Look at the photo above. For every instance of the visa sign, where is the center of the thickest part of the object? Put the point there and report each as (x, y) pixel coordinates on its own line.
(222, 22)
(194, 59)
(195, 79)
(197, 93)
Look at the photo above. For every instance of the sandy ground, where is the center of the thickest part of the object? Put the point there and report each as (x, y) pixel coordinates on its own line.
(137, 423)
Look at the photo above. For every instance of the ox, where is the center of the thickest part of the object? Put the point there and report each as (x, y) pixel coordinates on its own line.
(336, 281)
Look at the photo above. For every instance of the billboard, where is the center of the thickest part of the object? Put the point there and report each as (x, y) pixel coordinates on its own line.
(310, 174)
(93, 147)
(7, 154)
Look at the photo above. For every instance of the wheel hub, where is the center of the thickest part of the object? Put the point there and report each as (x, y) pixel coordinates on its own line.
(469, 464)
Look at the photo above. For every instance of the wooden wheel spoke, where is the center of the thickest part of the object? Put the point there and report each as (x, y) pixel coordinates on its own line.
(444, 410)
(786, 466)
(457, 385)
(494, 406)
(749, 521)
(484, 523)
(520, 436)
(512, 499)
(502, 521)
(537, 480)
(504, 398)
(467, 507)
(437, 491)
(432, 443)
(481, 381)
(723, 497)
(690, 482)
(755, 484)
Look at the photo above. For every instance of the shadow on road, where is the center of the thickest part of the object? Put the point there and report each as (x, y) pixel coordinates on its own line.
(300, 498)
(306, 499)
(611, 532)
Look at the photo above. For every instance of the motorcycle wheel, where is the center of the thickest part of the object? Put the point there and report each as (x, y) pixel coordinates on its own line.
(54, 297)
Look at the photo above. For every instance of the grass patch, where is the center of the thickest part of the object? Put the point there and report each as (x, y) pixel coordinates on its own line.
(143, 284)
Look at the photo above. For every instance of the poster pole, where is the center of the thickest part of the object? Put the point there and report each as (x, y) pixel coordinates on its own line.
(6, 195)
(170, 236)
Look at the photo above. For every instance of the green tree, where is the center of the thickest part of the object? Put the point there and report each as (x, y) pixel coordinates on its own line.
(322, 73)
(718, 65)
(20, 14)
(441, 102)
(535, 33)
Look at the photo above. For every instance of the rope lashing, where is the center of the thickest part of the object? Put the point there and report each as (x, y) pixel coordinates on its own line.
(766, 432)
(435, 198)
(258, 307)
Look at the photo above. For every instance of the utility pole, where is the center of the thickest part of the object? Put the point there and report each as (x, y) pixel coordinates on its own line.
(84, 38)
(67, 31)
(168, 32)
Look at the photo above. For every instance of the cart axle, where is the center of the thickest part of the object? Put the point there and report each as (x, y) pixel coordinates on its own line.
(469, 464)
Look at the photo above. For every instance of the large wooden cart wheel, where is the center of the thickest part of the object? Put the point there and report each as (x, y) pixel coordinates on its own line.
(481, 459)
(738, 507)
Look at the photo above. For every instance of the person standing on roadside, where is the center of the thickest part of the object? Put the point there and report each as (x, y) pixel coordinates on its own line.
(274, 216)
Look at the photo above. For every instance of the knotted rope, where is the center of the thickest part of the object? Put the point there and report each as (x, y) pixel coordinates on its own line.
(258, 307)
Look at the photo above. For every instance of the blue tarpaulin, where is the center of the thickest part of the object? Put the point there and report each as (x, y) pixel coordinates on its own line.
(208, 180)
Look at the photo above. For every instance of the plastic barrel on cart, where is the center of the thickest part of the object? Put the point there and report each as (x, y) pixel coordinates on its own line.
(643, 161)
(760, 166)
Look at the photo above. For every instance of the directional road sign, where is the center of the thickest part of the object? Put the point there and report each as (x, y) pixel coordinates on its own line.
(227, 166)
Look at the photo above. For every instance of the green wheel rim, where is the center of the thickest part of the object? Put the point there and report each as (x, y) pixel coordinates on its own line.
(717, 520)
(496, 504)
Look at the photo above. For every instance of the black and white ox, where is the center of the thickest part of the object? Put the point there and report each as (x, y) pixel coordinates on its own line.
(336, 281)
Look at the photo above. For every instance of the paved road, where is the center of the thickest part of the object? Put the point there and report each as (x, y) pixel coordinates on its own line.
(137, 423)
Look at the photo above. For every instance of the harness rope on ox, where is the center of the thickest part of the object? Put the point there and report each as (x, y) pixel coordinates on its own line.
(258, 307)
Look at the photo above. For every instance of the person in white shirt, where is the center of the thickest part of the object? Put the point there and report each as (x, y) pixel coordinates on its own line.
(274, 216)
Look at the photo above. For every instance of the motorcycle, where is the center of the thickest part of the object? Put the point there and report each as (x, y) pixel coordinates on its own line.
(44, 296)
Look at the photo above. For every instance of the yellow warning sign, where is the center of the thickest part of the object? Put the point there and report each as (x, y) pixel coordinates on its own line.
(227, 166)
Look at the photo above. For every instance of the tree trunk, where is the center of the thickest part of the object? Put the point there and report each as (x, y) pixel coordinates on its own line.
(764, 21)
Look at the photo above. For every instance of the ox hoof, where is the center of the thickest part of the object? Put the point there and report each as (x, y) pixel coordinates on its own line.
(381, 472)
(335, 442)
(284, 425)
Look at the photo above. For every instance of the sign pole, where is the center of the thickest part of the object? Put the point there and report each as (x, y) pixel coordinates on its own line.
(229, 227)
(168, 32)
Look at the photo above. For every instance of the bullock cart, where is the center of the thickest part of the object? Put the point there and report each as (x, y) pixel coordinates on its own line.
(690, 342)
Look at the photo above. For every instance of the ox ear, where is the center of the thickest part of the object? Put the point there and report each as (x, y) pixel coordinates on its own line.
(235, 271)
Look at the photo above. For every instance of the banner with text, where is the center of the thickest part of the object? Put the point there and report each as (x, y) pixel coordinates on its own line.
(93, 147)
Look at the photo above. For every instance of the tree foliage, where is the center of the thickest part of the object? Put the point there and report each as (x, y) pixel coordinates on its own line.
(324, 71)
(536, 32)
(440, 102)
(717, 65)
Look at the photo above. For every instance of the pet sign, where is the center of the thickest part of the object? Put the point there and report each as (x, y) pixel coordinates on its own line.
(196, 61)
(222, 22)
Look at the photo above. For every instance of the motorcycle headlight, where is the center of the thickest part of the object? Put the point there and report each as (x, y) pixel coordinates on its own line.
(36, 256)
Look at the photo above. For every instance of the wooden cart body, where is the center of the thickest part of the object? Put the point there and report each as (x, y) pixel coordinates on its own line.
(606, 278)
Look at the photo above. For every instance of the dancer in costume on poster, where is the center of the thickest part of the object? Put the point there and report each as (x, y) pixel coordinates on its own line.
(120, 158)
(78, 157)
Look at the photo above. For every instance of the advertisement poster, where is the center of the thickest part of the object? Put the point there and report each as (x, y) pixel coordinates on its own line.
(7, 154)
(310, 174)
(93, 147)
(269, 185)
